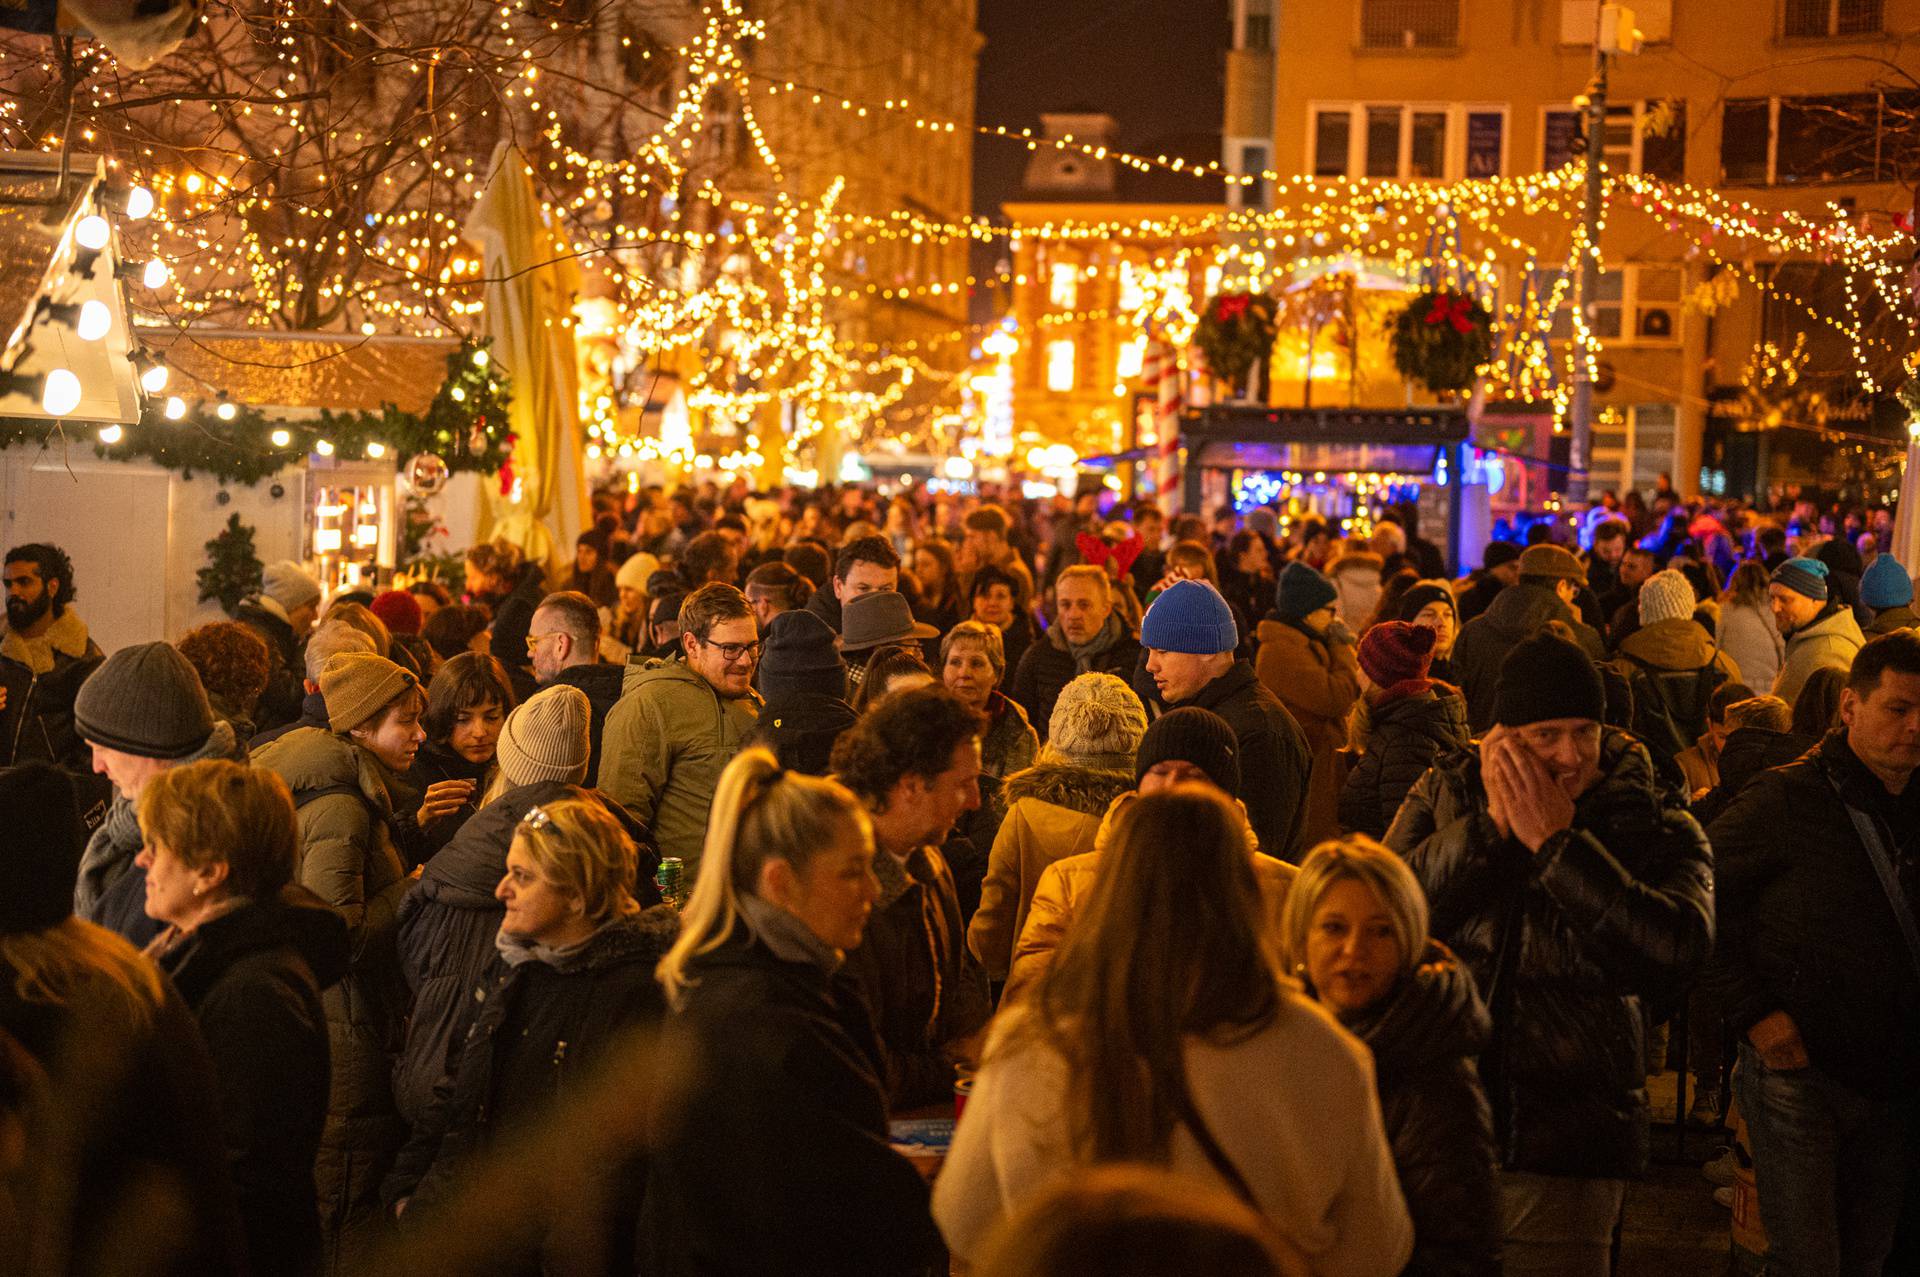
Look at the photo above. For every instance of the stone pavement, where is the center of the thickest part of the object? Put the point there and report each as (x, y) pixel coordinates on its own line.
(1673, 1226)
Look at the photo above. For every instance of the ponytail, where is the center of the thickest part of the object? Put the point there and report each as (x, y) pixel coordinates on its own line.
(760, 812)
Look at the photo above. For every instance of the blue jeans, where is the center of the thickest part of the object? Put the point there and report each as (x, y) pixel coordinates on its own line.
(1831, 1167)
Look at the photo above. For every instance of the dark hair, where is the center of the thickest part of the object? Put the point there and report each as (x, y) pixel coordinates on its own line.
(1816, 709)
(433, 590)
(449, 630)
(53, 564)
(887, 663)
(711, 604)
(705, 556)
(578, 615)
(666, 607)
(1609, 530)
(465, 682)
(1898, 651)
(949, 592)
(914, 733)
(1771, 537)
(809, 560)
(1728, 693)
(791, 590)
(988, 577)
(988, 518)
(876, 550)
(730, 523)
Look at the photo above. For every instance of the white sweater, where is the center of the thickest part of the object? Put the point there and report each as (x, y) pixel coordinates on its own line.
(1293, 1107)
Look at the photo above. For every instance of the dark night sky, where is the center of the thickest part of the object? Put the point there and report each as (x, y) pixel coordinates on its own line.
(1154, 65)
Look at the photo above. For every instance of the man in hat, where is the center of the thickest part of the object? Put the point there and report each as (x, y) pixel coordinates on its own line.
(141, 713)
(1574, 887)
(1820, 630)
(282, 614)
(1499, 568)
(680, 722)
(804, 681)
(1887, 589)
(1190, 637)
(872, 621)
(45, 655)
(563, 643)
(1087, 637)
(1550, 579)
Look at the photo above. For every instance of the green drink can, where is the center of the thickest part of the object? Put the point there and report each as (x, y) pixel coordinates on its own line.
(671, 879)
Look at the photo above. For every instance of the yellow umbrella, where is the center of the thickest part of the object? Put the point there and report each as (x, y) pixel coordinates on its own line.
(531, 283)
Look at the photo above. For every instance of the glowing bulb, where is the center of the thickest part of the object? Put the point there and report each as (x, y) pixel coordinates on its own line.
(95, 321)
(480, 359)
(92, 232)
(376, 449)
(109, 434)
(155, 275)
(60, 394)
(458, 394)
(154, 379)
(176, 407)
(139, 203)
(226, 410)
(324, 448)
(281, 438)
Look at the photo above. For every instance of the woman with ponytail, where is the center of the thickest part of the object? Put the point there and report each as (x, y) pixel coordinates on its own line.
(773, 1156)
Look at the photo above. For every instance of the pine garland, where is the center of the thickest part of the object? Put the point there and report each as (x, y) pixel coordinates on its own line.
(465, 426)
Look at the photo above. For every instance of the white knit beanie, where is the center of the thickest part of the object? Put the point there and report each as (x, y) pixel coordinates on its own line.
(546, 738)
(1666, 596)
(289, 584)
(1097, 723)
(634, 573)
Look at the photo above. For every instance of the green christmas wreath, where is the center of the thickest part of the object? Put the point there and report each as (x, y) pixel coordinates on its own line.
(1236, 332)
(1441, 339)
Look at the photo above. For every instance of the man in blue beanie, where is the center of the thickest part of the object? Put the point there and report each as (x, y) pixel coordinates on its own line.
(1819, 630)
(1888, 590)
(1190, 638)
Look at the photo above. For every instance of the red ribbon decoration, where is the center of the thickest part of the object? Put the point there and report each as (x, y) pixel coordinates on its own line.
(1451, 308)
(1232, 307)
(1098, 550)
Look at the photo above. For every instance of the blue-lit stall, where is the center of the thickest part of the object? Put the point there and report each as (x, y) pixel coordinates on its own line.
(1343, 464)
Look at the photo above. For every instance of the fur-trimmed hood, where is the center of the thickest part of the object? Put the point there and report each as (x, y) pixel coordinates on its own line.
(1062, 784)
(67, 637)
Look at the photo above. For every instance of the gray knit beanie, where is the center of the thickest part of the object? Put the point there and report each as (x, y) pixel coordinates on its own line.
(547, 738)
(1666, 596)
(144, 700)
(1097, 723)
(289, 584)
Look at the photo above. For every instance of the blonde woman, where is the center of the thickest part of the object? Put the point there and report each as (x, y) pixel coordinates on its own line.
(553, 1015)
(775, 1159)
(1355, 932)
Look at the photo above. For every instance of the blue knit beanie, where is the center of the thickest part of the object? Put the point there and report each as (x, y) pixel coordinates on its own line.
(1301, 592)
(1191, 617)
(1886, 584)
(1803, 576)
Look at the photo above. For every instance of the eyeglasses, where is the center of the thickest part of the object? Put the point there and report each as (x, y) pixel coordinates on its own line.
(731, 652)
(535, 640)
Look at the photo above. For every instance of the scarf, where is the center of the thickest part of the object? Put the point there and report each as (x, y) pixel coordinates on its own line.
(787, 937)
(520, 950)
(111, 849)
(1084, 654)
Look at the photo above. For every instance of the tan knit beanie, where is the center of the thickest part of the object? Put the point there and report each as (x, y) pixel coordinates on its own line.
(358, 685)
(546, 738)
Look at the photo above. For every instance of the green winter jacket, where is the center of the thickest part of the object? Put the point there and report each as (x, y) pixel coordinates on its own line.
(665, 744)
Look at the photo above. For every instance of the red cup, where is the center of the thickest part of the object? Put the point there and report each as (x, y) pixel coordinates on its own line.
(961, 1090)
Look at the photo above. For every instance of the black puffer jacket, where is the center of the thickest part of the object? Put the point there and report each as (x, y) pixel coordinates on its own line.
(1049, 665)
(801, 728)
(781, 1057)
(512, 619)
(1424, 1039)
(1516, 614)
(601, 684)
(1401, 739)
(253, 978)
(537, 1035)
(448, 921)
(1566, 943)
(1805, 925)
(1748, 752)
(1274, 763)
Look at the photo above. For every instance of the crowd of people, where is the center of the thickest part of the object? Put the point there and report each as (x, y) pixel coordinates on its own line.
(1267, 895)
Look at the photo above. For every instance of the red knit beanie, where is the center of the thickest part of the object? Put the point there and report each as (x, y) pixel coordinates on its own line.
(1395, 652)
(398, 610)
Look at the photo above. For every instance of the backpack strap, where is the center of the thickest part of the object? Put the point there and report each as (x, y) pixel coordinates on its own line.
(302, 797)
(1875, 843)
(1216, 1156)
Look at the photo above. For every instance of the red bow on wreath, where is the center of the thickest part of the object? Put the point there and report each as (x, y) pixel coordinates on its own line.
(1451, 308)
(1232, 307)
(1098, 551)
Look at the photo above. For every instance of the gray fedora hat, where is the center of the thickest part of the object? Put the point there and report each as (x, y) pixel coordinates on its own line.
(885, 616)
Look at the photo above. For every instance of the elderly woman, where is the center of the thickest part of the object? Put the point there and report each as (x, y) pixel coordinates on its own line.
(467, 702)
(972, 664)
(346, 783)
(249, 953)
(547, 1026)
(1355, 930)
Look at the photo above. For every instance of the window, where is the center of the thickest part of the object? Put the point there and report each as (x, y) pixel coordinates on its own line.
(1853, 137)
(1131, 358)
(1394, 140)
(1063, 285)
(1133, 293)
(1256, 27)
(1641, 137)
(1815, 19)
(1060, 359)
(1253, 163)
(1409, 24)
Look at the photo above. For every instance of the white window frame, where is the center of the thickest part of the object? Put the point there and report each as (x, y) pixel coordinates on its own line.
(1636, 152)
(1833, 24)
(1454, 160)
